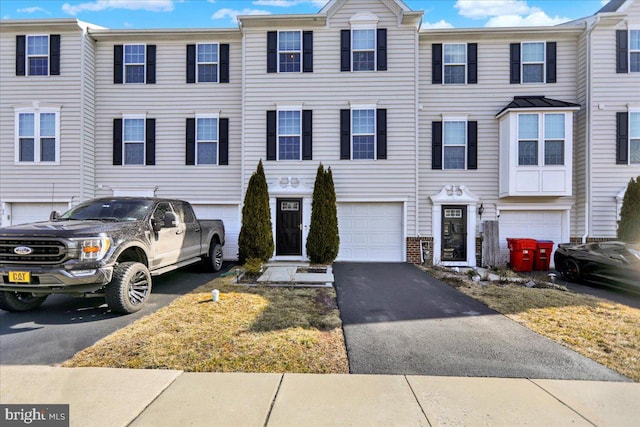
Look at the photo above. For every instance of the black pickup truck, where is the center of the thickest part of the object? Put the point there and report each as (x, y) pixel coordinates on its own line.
(109, 246)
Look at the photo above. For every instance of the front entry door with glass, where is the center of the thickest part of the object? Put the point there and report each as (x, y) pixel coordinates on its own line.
(454, 233)
(289, 227)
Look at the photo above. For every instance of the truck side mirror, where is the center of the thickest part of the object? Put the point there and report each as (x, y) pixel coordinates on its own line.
(54, 215)
(170, 220)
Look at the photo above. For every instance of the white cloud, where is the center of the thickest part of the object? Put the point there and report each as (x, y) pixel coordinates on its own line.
(33, 9)
(288, 3)
(482, 9)
(440, 24)
(233, 13)
(537, 18)
(98, 5)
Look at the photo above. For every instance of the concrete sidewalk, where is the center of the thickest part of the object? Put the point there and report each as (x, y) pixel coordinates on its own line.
(124, 397)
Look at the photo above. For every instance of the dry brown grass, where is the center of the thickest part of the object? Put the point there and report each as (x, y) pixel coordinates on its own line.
(248, 330)
(604, 331)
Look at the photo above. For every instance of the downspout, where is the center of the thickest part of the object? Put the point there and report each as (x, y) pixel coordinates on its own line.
(587, 199)
(82, 112)
(416, 60)
(243, 113)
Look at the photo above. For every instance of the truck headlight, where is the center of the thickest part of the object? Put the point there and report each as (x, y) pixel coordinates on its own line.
(94, 249)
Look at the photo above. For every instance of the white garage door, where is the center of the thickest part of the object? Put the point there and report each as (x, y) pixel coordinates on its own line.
(230, 215)
(371, 232)
(22, 213)
(539, 225)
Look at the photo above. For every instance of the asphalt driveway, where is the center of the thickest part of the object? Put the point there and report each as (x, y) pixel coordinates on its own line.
(398, 319)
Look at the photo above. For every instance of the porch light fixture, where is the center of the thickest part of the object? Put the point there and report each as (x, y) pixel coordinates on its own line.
(481, 210)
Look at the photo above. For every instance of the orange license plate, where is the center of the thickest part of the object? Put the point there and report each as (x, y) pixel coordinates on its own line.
(19, 277)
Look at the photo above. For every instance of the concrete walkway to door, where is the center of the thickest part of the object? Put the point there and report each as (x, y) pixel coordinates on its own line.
(397, 319)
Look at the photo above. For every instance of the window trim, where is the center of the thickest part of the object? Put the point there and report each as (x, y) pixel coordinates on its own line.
(27, 56)
(217, 141)
(543, 63)
(142, 117)
(124, 66)
(464, 119)
(465, 64)
(198, 63)
(300, 52)
(632, 110)
(282, 109)
(365, 107)
(36, 110)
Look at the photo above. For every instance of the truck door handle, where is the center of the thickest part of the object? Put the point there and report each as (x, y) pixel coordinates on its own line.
(197, 230)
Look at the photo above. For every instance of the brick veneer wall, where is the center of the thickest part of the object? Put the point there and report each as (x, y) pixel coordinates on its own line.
(413, 249)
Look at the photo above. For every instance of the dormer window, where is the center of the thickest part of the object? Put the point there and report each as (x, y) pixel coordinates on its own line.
(364, 46)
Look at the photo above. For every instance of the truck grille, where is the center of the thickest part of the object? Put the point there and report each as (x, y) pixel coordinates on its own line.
(42, 251)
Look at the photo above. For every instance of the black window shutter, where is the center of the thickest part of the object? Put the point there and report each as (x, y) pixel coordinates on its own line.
(223, 141)
(307, 135)
(472, 63)
(54, 54)
(551, 62)
(271, 134)
(622, 55)
(436, 145)
(151, 63)
(117, 64)
(382, 49)
(381, 133)
(345, 134)
(436, 63)
(190, 155)
(117, 142)
(345, 50)
(472, 145)
(272, 52)
(150, 142)
(21, 55)
(191, 63)
(307, 51)
(224, 63)
(515, 63)
(622, 138)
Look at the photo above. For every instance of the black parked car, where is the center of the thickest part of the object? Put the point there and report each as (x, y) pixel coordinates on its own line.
(605, 263)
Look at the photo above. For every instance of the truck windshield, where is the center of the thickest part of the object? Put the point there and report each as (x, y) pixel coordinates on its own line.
(109, 210)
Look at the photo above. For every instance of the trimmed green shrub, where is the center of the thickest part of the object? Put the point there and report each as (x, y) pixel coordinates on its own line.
(629, 224)
(256, 237)
(323, 241)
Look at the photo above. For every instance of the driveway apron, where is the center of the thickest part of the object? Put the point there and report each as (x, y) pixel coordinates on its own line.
(398, 319)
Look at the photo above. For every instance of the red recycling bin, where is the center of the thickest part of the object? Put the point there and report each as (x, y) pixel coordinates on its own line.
(543, 255)
(521, 254)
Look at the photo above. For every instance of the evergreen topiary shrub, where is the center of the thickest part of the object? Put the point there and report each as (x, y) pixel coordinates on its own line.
(256, 237)
(323, 240)
(629, 224)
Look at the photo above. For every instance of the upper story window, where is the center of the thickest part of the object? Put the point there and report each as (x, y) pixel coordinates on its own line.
(550, 148)
(364, 46)
(38, 55)
(37, 135)
(289, 135)
(207, 140)
(207, 62)
(134, 140)
(363, 50)
(454, 143)
(628, 51)
(454, 63)
(363, 133)
(533, 62)
(134, 64)
(628, 137)
(289, 51)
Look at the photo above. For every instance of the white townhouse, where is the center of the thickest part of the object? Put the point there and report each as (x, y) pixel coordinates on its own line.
(429, 133)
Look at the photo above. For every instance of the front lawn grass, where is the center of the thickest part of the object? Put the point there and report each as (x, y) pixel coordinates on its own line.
(250, 329)
(604, 331)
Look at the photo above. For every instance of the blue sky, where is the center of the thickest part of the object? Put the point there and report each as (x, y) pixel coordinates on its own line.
(221, 13)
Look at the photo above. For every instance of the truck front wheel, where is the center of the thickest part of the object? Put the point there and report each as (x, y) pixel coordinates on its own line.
(129, 288)
(20, 301)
